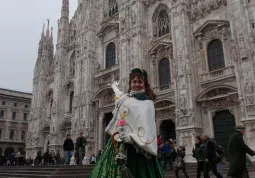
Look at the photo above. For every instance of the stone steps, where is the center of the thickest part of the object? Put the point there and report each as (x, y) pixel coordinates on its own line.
(84, 171)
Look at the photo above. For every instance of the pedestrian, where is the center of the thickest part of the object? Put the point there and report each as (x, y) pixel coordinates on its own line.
(180, 164)
(80, 147)
(68, 148)
(220, 158)
(18, 158)
(92, 159)
(166, 150)
(57, 158)
(236, 153)
(159, 143)
(210, 157)
(12, 159)
(199, 155)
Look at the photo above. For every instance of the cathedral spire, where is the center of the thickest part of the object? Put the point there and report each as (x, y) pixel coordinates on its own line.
(48, 30)
(42, 32)
(65, 9)
(41, 42)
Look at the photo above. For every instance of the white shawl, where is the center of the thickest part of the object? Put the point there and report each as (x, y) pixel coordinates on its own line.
(140, 122)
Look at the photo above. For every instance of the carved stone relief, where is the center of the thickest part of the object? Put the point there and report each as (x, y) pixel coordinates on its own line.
(252, 46)
(222, 104)
(248, 88)
(165, 114)
(233, 51)
(243, 53)
(163, 104)
(218, 92)
(107, 98)
(200, 8)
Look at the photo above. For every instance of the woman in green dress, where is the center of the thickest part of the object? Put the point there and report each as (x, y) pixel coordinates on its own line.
(139, 141)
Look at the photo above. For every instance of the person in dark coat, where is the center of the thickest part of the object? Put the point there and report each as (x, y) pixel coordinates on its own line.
(180, 164)
(210, 157)
(68, 148)
(80, 147)
(199, 155)
(236, 152)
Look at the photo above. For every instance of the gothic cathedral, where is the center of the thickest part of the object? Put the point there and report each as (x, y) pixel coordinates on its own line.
(199, 54)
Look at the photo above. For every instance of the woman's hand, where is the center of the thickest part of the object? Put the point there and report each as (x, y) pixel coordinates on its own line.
(125, 138)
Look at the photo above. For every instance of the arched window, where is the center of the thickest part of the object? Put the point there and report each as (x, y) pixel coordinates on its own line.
(110, 55)
(215, 55)
(0, 133)
(164, 72)
(161, 23)
(113, 7)
(71, 102)
(11, 134)
(23, 135)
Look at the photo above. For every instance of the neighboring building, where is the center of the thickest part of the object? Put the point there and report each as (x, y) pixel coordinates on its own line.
(199, 55)
(14, 115)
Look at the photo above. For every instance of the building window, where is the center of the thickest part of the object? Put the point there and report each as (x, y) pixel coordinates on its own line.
(11, 134)
(71, 102)
(215, 55)
(25, 116)
(161, 25)
(110, 55)
(13, 115)
(113, 7)
(15, 104)
(23, 135)
(164, 72)
(1, 114)
(3, 102)
(26, 106)
(0, 133)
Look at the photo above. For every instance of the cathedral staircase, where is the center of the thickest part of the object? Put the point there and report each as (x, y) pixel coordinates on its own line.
(83, 171)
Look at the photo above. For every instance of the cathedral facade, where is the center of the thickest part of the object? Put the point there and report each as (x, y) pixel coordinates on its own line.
(199, 54)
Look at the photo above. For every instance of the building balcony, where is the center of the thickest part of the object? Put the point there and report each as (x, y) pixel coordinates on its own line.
(163, 89)
(104, 77)
(217, 75)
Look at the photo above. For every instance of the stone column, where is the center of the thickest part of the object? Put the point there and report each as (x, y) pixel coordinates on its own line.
(100, 131)
(186, 125)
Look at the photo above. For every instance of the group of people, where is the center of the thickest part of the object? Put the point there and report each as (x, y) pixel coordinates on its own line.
(210, 155)
(15, 159)
(79, 149)
(172, 155)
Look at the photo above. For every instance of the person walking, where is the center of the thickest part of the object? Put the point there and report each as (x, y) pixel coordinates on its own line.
(166, 150)
(80, 147)
(180, 164)
(159, 143)
(68, 148)
(199, 155)
(236, 153)
(210, 157)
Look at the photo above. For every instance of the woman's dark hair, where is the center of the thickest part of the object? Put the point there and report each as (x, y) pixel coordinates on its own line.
(199, 138)
(148, 90)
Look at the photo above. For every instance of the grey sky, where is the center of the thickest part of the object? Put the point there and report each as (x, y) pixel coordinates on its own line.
(20, 31)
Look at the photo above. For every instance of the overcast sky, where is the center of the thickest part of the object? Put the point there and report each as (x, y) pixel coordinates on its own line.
(20, 31)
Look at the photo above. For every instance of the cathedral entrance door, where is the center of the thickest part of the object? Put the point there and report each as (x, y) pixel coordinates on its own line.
(107, 119)
(167, 130)
(224, 127)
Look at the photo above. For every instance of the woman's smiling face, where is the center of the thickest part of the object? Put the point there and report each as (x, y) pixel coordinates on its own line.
(137, 84)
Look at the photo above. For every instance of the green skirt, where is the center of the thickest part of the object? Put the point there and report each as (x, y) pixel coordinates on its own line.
(140, 167)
